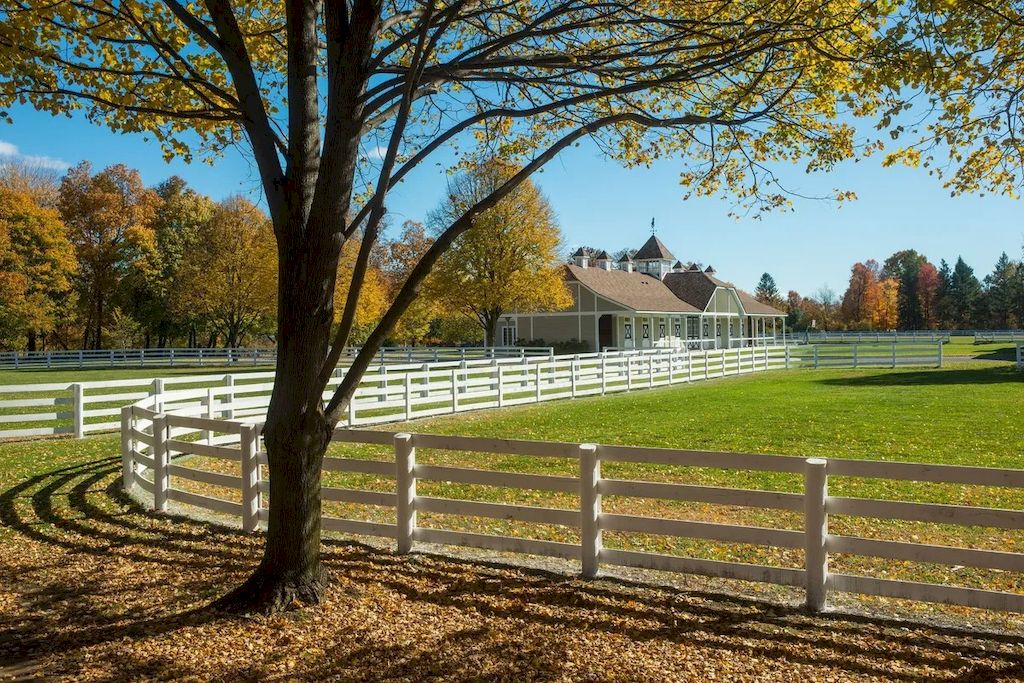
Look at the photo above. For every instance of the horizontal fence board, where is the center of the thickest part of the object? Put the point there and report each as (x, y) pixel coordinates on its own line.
(927, 592)
(784, 576)
(907, 471)
(502, 446)
(208, 502)
(701, 494)
(213, 478)
(206, 450)
(731, 533)
(688, 458)
(926, 512)
(463, 475)
(520, 513)
(919, 552)
(380, 467)
(37, 431)
(358, 496)
(202, 423)
(509, 544)
(359, 527)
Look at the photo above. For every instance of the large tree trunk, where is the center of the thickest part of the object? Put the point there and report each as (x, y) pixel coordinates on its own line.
(295, 436)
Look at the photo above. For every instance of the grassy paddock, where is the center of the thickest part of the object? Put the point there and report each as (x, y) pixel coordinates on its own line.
(968, 414)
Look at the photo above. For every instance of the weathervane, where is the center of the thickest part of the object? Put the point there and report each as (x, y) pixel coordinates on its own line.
(652, 225)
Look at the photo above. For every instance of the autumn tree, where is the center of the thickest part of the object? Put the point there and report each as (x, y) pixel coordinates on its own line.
(885, 314)
(230, 277)
(904, 266)
(109, 217)
(767, 292)
(36, 266)
(929, 284)
(508, 260)
(177, 226)
(729, 87)
(398, 257)
(861, 296)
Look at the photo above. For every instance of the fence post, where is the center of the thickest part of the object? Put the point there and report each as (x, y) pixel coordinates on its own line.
(815, 347)
(405, 464)
(536, 387)
(408, 396)
(425, 368)
(78, 410)
(211, 413)
(127, 450)
(172, 356)
(80, 360)
(572, 378)
(650, 371)
(855, 355)
(157, 391)
(629, 373)
(604, 374)
(455, 390)
(250, 478)
(816, 532)
(501, 385)
(49, 358)
(590, 509)
(229, 411)
(161, 478)
(940, 353)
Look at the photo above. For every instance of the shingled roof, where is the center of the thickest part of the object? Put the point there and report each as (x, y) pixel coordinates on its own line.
(637, 291)
(696, 288)
(653, 249)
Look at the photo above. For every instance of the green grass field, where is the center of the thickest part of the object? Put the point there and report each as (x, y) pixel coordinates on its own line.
(969, 413)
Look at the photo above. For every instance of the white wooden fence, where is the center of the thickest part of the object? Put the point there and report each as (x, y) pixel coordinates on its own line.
(123, 358)
(403, 391)
(1020, 356)
(878, 337)
(158, 441)
(184, 357)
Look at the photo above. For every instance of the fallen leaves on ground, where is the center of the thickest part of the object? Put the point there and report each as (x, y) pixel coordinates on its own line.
(93, 588)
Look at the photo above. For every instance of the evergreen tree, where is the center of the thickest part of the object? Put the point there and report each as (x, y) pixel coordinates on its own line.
(964, 295)
(1000, 295)
(767, 291)
(904, 266)
(944, 303)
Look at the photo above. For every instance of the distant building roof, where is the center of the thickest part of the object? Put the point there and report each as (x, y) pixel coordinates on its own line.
(696, 288)
(709, 269)
(652, 250)
(679, 265)
(582, 251)
(625, 258)
(602, 256)
(637, 291)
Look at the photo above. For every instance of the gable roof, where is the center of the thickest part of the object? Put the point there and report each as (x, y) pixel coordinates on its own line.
(602, 256)
(696, 287)
(582, 251)
(636, 291)
(653, 249)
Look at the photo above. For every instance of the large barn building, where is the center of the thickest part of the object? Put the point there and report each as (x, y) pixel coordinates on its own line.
(645, 301)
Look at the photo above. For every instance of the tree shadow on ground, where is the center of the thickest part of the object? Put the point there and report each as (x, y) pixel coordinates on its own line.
(149, 576)
(975, 376)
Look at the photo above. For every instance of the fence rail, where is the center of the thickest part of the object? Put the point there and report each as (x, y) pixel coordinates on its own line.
(866, 354)
(878, 337)
(157, 444)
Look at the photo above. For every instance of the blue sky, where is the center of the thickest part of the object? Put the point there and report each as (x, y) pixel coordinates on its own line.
(601, 204)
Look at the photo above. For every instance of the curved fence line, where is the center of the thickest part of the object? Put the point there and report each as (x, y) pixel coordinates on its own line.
(160, 438)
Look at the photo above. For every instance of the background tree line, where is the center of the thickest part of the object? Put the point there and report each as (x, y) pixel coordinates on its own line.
(97, 260)
(908, 292)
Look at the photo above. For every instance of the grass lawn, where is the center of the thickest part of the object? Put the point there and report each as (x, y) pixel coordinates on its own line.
(92, 587)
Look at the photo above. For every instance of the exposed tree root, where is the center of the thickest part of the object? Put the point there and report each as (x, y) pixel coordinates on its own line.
(267, 593)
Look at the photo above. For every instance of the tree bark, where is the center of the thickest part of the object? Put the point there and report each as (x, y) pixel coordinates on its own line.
(296, 435)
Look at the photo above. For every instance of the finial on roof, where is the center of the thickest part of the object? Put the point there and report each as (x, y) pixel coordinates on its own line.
(652, 225)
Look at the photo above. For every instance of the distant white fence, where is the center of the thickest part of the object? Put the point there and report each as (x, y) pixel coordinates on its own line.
(993, 336)
(877, 337)
(120, 358)
(402, 391)
(157, 442)
(1020, 356)
(172, 357)
(866, 354)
